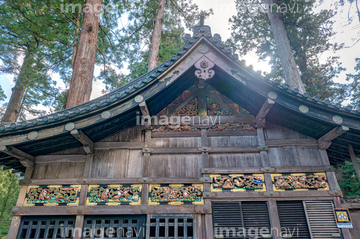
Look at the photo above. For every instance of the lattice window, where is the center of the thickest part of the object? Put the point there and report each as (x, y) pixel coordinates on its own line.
(46, 227)
(171, 226)
(114, 227)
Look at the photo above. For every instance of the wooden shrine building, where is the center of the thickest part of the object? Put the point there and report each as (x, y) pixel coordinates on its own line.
(200, 147)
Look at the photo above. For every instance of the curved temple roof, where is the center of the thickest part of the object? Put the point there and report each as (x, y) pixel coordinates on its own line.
(118, 110)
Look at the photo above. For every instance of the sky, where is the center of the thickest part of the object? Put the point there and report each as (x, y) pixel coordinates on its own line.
(223, 10)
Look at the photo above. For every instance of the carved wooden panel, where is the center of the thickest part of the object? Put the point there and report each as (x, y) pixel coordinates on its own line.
(114, 194)
(176, 194)
(237, 182)
(299, 181)
(53, 195)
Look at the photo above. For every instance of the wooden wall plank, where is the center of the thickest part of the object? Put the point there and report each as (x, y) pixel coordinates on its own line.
(234, 160)
(185, 165)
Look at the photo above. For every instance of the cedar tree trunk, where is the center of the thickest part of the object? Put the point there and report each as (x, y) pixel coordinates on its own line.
(156, 36)
(291, 72)
(84, 63)
(13, 108)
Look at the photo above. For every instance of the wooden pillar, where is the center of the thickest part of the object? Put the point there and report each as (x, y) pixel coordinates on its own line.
(146, 155)
(14, 227)
(199, 226)
(205, 143)
(79, 223)
(274, 219)
(345, 231)
(354, 161)
(88, 166)
(263, 154)
(15, 222)
(208, 222)
(324, 157)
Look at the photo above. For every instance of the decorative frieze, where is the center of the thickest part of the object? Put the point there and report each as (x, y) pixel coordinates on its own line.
(173, 128)
(175, 194)
(114, 194)
(231, 126)
(190, 109)
(213, 108)
(53, 195)
(299, 181)
(237, 182)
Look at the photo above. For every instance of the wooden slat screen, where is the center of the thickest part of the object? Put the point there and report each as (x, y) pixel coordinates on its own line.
(240, 219)
(293, 219)
(321, 219)
(171, 227)
(46, 227)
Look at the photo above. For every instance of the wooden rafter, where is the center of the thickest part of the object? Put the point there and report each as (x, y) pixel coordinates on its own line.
(88, 144)
(26, 159)
(260, 117)
(325, 141)
(145, 112)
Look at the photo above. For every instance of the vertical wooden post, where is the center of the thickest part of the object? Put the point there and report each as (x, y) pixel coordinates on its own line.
(88, 166)
(15, 222)
(14, 227)
(146, 156)
(354, 161)
(324, 157)
(263, 154)
(208, 223)
(79, 223)
(144, 194)
(204, 143)
(274, 219)
(199, 226)
(345, 231)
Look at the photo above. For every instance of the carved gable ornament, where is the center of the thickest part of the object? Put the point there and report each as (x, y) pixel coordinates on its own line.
(204, 69)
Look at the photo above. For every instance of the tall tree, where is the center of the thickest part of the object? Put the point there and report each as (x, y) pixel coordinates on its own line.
(84, 63)
(354, 86)
(23, 34)
(292, 75)
(309, 34)
(156, 36)
(137, 36)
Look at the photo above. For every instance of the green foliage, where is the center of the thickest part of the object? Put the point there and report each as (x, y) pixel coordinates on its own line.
(49, 30)
(2, 94)
(347, 179)
(9, 191)
(135, 38)
(355, 85)
(309, 33)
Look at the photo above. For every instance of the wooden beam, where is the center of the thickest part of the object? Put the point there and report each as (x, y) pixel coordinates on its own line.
(291, 142)
(260, 117)
(71, 158)
(26, 159)
(144, 109)
(325, 141)
(354, 161)
(88, 144)
(290, 169)
(118, 145)
(200, 150)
